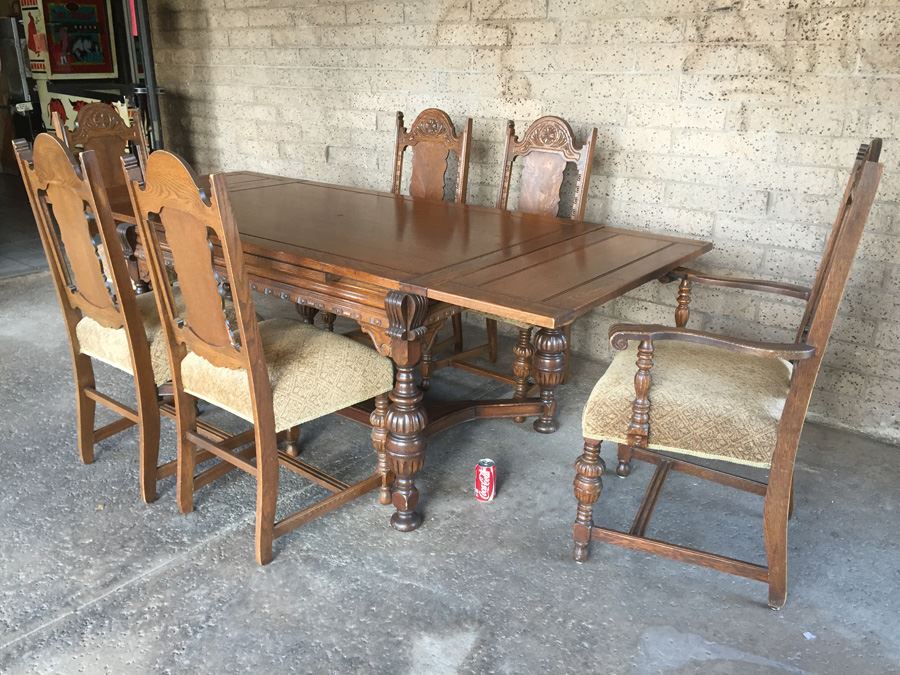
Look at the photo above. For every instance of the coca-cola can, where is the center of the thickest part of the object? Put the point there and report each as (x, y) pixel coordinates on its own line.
(485, 480)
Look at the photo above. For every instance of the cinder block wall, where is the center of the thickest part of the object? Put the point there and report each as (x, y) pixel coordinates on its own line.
(734, 121)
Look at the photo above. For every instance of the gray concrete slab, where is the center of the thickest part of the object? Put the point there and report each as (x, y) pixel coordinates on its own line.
(92, 580)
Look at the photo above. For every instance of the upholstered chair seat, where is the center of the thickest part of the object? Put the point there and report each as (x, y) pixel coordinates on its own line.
(110, 345)
(312, 372)
(704, 401)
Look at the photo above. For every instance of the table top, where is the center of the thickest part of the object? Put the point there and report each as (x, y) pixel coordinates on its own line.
(540, 270)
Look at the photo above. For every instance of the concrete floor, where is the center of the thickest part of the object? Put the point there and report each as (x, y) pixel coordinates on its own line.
(20, 244)
(92, 580)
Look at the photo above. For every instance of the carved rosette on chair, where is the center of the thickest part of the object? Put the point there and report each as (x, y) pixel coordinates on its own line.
(406, 418)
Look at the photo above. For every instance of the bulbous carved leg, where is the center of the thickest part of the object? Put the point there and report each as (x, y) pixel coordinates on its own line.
(588, 485)
(378, 419)
(550, 350)
(406, 419)
(524, 352)
(682, 311)
(307, 313)
(639, 427)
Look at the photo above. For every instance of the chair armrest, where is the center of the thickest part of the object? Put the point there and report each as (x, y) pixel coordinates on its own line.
(762, 285)
(622, 333)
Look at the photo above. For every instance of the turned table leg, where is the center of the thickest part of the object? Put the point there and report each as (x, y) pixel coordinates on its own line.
(406, 419)
(550, 353)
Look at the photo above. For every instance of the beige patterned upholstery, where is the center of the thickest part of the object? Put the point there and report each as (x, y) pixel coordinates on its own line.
(313, 373)
(704, 401)
(110, 345)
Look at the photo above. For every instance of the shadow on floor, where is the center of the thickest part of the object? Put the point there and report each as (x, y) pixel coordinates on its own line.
(20, 245)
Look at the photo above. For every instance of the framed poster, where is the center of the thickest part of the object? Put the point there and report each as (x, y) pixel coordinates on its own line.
(80, 38)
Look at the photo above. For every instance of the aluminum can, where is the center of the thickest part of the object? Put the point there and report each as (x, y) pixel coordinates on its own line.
(485, 480)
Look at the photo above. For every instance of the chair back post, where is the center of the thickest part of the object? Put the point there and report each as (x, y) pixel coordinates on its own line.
(59, 127)
(172, 207)
(508, 158)
(546, 147)
(432, 137)
(822, 308)
(867, 152)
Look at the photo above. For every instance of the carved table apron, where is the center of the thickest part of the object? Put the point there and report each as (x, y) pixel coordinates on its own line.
(399, 267)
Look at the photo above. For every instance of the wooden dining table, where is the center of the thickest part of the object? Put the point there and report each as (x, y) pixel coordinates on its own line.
(400, 267)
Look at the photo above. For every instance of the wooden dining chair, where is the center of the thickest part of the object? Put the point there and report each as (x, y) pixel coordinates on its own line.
(698, 395)
(275, 374)
(432, 138)
(103, 317)
(100, 127)
(545, 150)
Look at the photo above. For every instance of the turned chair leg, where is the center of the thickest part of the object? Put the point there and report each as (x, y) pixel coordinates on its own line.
(589, 467)
(457, 332)
(86, 407)
(291, 445)
(266, 493)
(567, 331)
(625, 454)
(682, 309)
(378, 419)
(185, 422)
(491, 328)
(329, 318)
(426, 366)
(524, 353)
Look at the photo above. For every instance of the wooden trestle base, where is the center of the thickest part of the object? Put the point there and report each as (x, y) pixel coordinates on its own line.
(443, 415)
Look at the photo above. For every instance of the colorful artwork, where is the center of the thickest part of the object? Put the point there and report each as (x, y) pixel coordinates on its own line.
(35, 38)
(79, 37)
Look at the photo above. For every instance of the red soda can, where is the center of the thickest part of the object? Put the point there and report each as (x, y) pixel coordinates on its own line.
(485, 480)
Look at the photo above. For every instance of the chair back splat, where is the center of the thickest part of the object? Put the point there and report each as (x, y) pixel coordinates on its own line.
(432, 138)
(100, 127)
(547, 146)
